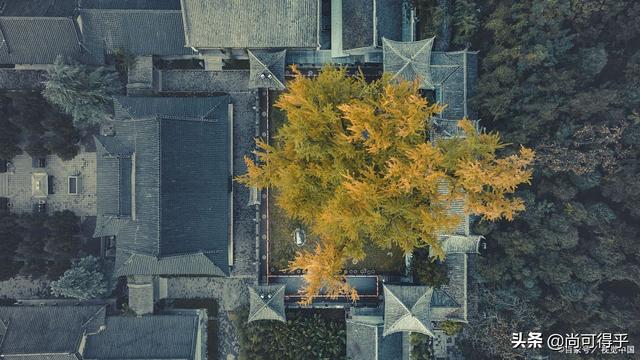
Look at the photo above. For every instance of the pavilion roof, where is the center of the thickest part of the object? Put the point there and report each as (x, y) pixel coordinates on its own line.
(409, 60)
(266, 302)
(267, 69)
(407, 308)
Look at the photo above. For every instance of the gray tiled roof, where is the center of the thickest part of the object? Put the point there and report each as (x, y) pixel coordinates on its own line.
(409, 60)
(457, 286)
(407, 308)
(456, 207)
(47, 329)
(128, 263)
(194, 108)
(454, 75)
(357, 24)
(38, 40)
(139, 32)
(267, 69)
(109, 225)
(181, 179)
(361, 18)
(146, 337)
(130, 4)
(266, 303)
(250, 23)
(19, 79)
(113, 187)
(366, 342)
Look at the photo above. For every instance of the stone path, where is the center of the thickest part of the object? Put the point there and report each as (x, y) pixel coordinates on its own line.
(21, 287)
(230, 293)
(244, 226)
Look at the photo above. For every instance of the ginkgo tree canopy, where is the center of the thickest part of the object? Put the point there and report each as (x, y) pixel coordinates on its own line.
(354, 163)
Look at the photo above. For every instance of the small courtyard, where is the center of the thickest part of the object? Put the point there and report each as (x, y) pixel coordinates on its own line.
(70, 185)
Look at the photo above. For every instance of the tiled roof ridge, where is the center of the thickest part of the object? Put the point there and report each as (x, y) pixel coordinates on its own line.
(161, 11)
(160, 160)
(32, 18)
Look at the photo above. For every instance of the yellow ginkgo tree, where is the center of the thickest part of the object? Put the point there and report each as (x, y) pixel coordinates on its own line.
(353, 162)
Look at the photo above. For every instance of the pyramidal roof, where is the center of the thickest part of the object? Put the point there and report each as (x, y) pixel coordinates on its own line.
(266, 303)
(409, 60)
(266, 69)
(407, 308)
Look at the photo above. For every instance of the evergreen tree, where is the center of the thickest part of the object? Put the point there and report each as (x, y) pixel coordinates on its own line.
(83, 281)
(82, 92)
(465, 22)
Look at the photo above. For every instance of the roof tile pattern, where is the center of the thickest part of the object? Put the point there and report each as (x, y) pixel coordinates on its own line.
(366, 22)
(46, 330)
(409, 60)
(266, 303)
(407, 309)
(138, 32)
(267, 69)
(147, 337)
(38, 40)
(250, 23)
(180, 185)
(365, 341)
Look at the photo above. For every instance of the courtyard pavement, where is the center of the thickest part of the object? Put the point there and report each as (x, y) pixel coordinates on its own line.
(16, 184)
(230, 293)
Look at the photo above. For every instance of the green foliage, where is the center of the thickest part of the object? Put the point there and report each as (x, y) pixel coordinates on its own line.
(465, 22)
(430, 17)
(84, 93)
(421, 346)
(9, 139)
(562, 77)
(451, 327)
(36, 245)
(10, 231)
(302, 337)
(27, 117)
(85, 280)
(428, 271)
(454, 23)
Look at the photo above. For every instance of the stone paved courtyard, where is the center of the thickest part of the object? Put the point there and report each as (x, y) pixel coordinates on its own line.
(230, 293)
(16, 184)
(21, 287)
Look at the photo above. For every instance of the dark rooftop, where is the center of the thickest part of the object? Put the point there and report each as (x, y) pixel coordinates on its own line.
(181, 209)
(139, 32)
(130, 4)
(360, 18)
(38, 40)
(147, 337)
(46, 329)
(250, 23)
